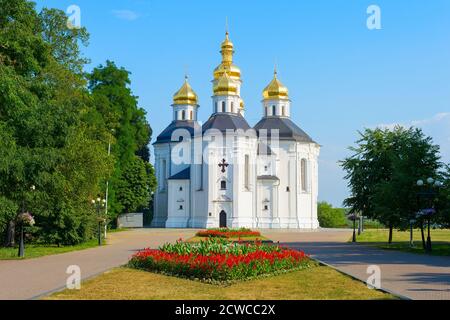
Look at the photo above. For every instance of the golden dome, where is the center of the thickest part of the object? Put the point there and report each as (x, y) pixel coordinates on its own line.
(227, 61)
(275, 90)
(242, 105)
(225, 86)
(185, 95)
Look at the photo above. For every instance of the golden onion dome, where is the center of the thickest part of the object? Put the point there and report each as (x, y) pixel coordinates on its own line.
(227, 61)
(185, 95)
(233, 71)
(225, 86)
(242, 105)
(275, 90)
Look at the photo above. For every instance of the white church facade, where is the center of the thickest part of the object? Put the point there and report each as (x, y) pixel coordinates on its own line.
(225, 173)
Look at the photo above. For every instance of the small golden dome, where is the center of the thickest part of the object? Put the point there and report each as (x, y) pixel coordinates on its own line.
(225, 86)
(227, 61)
(242, 105)
(275, 90)
(227, 44)
(185, 95)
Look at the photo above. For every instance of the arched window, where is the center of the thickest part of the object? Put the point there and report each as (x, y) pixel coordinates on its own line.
(274, 110)
(232, 106)
(223, 106)
(304, 173)
(183, 115)
(191, 115)
(283, 111)
(223, 185)
(216, 107)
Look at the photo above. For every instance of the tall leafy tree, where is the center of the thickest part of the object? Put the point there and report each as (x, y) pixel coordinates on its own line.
(116, 106)
(383, 171)
(42, 104)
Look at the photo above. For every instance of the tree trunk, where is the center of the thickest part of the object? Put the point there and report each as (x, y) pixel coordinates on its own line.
(390, 234)
(10, 234)
(423, 236)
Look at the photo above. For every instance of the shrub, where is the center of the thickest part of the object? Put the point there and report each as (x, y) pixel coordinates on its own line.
(330, 217)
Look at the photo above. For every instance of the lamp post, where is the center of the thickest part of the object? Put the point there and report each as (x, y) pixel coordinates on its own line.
(353, 217)
(24, 219)
(99, 204)
(107, 182)
(428, 191)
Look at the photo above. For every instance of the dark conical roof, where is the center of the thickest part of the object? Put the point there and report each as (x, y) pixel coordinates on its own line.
(224, 121)
(287, 129)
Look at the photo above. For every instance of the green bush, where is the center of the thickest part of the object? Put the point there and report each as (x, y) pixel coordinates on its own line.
(330, 217)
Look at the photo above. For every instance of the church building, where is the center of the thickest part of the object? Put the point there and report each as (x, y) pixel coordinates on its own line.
(226, 173)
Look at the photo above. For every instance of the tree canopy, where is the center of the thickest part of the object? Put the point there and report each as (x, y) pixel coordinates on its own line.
(383, 170)
(55, 127)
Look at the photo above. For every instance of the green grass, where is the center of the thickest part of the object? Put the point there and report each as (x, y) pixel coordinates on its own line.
(440, 239)
(40, 250)
(35, 250)
(316, 283)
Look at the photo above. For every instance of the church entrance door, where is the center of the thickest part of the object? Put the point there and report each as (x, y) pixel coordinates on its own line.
(223, 219)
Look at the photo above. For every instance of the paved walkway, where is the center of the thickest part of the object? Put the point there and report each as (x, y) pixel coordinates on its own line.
(27, 279)
(414, 276)
(410, 275)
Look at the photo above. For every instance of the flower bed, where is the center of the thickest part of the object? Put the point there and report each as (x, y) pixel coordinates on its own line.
(219, 260)
(228, 233)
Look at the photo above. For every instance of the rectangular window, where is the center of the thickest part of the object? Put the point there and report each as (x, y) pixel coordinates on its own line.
(247, 171)
(163, 175)
(304, 173)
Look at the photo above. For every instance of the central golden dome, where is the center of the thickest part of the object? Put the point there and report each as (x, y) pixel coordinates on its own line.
(227, 61)
(225, 86)
(275, 90)
(185, 95)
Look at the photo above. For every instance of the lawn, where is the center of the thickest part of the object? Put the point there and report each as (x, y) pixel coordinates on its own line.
(40, 250)
(35, 251)
(440, 240)
(316, 283)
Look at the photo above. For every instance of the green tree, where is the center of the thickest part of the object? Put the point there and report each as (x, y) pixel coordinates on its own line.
(330, 217)
(117, 109)
(43, 102)
(383, 170)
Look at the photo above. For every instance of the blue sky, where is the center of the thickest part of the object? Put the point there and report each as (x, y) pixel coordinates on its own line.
(342, 76)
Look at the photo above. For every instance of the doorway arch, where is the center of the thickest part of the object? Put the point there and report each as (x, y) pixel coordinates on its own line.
(222, 219)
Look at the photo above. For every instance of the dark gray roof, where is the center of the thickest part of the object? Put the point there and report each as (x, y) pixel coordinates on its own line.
(224, 121)
(268, 177)
(288, 130)
(166, 135)
(182, 175)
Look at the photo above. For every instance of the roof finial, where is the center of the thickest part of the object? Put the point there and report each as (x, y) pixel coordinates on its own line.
(186, 72)
(226, 27)
(275, 72)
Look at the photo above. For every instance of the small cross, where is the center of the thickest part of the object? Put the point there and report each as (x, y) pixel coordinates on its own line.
(223, 164)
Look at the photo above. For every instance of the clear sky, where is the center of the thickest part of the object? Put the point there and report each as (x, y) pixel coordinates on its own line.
(342, 76)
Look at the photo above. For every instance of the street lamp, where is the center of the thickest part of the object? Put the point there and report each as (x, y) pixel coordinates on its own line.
(24, 219)
(99, 204)
(107, 182)
(430, 193)
(353, 217)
